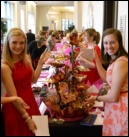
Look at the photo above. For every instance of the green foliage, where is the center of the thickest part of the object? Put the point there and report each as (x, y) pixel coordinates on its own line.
(3, 26)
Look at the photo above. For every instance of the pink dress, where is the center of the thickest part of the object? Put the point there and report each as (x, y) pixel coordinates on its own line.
(14, 123)
(116, 114)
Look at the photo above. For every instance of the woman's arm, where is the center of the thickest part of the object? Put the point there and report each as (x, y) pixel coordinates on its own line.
(101, 70)
(14, 99)
(11, 90)
(44, 57)
(7, 99)
(6, 76)
(119, 75)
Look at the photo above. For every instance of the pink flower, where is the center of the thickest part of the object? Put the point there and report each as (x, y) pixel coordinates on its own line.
(59, 45)
(67, 51)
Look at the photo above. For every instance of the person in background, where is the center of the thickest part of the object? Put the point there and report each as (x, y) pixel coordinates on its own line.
(61, 35)
(81, 40)
(91, 38)
(74, 38)
(43, 34)
(30, 36)
(38, 36)
(35, 50)
(17, 77)
(116, 100)
(66, 39)
(52, 40)
(50, 32)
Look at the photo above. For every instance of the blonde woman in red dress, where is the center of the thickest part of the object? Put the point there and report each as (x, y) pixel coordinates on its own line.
(116, 99)
(17, 76)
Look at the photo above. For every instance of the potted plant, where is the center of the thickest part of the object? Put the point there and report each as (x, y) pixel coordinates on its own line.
(3, 28)
(3, 25)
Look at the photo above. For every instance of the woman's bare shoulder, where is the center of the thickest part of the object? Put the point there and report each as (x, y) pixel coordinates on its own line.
(5, 68)
(121, 65)
(4, 65)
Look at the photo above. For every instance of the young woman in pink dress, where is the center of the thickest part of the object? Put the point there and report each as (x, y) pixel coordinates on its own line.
(17, 76)
(116, 99)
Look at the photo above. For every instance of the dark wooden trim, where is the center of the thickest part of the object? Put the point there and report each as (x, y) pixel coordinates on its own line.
(110, 14)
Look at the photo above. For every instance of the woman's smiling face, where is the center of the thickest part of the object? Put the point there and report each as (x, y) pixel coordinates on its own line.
(16, 45)
(110, 44)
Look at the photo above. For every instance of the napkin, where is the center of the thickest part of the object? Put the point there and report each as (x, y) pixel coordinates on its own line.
(42, 125)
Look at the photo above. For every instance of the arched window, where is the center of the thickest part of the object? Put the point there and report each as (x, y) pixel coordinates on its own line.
(66, 23)
(31, 22)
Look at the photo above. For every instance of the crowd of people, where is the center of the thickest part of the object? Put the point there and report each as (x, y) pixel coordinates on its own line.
(21, 65)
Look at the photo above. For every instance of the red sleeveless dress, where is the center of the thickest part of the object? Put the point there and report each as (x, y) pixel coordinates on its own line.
(14, 123)
(92, 74)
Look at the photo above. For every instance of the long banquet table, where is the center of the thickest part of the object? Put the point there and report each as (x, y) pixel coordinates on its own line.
(74, 128)
(71, 128)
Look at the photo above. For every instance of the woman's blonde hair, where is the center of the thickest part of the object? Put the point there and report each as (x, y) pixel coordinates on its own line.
(7, 55)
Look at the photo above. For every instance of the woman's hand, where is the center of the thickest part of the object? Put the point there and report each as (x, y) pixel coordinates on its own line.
(91, 99)
(31, 125)
(21, 102)
(82, 61)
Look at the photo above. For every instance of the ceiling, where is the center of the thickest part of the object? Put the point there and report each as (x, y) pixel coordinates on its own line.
(62, 8)
(55, 3)
(58, 6)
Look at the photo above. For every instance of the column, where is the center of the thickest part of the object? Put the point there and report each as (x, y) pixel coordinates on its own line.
(78, 15)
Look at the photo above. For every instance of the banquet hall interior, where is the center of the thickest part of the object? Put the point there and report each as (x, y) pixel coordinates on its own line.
(57, 33)
(59, 15)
